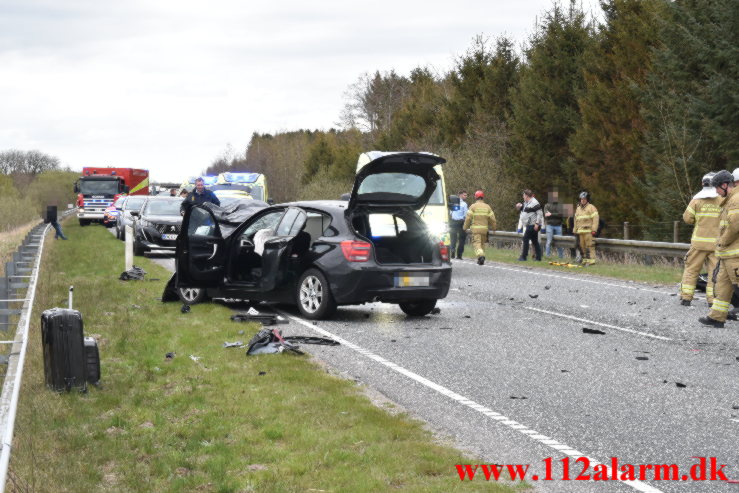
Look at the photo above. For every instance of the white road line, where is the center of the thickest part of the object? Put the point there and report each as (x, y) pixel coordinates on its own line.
(592, 322)
(497, 417)
(537, 272)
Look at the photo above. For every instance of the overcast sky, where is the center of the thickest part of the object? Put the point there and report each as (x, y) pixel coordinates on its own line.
(167, 85)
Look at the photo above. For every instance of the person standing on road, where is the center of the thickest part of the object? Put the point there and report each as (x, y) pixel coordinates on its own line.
(586, 227)
(531, 219)
(199, 195)
(480, 218)
(726, 274)
(703, 211)
(457, 232)
(553, 215)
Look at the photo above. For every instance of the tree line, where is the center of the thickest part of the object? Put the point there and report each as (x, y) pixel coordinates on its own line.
(634, 107)
(29, 181)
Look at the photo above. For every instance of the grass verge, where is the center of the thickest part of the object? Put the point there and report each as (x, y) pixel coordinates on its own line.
(657, 273)
(11, 240)
(210, 419)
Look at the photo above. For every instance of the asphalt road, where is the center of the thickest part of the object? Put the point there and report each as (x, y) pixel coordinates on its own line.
(506, 371)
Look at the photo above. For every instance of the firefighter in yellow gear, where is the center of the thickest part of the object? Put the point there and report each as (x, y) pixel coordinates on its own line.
(586, 227)
(726, 274)
(480, 218)
(703, 211)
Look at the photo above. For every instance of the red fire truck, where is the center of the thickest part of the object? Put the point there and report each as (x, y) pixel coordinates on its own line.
(97, 188)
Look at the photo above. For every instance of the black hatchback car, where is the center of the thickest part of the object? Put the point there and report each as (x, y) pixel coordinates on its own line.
(321, 254)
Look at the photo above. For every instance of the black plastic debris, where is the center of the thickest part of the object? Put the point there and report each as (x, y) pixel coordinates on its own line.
(587, 330)
(631, 302)
(680, 385)
(565, 371)
(533, 296)
(469, 316)
(515, 397)
(445, 328)
(735, 407)
(393, 340)
(185, 309)
(436, 311)
(133, 274)
(319, 341)
(262, 373)
(263, 318)
(665, 381)
(270, 341)
(547, 287)
(642, 358)
(673, 294)
(169, 355)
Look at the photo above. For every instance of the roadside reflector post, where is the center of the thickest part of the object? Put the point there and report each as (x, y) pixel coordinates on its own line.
(129, 248)
(71, 294)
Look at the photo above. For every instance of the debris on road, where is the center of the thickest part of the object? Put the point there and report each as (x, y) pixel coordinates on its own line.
(270, 341)
(133, 274)
(547, 287)
(680, 385)
(533, 296)
(236, 344)
(515, 397)
(565, 371)
(262, 373)
(195, 358)
(445, 328)
(254, 316)
(170, 355)
(468, 316)
(642, 358)
(587, 330)
(185, 309)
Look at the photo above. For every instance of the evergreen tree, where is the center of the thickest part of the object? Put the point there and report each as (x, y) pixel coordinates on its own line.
(607, 146)
(545, 109)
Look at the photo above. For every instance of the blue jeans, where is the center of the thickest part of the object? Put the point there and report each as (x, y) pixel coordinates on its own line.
(551, 231)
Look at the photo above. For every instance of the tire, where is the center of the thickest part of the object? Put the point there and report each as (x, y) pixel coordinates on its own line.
(313, 296)
(192, 296)
(418, 308)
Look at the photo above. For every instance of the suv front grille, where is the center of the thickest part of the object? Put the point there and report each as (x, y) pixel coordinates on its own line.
(168, 228)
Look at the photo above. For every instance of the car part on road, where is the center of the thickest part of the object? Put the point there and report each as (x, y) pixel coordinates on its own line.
(314, 297)
(270, 341)
(418, 308)
(263, 318)
(133, 274)
(586, 330)
(185, 309)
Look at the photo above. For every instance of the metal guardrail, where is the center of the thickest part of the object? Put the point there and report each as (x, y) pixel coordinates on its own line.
(18, 286)
(654, 248)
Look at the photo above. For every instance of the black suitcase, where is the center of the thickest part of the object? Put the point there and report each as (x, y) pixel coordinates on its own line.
(64, 349)
(92, 361)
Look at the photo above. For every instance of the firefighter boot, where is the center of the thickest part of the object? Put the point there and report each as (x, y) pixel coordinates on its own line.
(711, 322)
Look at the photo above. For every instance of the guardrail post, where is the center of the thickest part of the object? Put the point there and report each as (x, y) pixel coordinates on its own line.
(675, 231)
(626, 230)
(4, 295)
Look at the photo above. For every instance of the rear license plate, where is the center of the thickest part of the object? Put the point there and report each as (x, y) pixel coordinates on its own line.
(411, 279)
(169, 237)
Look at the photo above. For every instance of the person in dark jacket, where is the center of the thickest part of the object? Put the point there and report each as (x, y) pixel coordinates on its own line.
(51, 218)
(553, 215)
(199, 195)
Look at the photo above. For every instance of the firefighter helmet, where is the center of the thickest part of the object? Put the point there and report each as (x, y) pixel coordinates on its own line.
(585, 195)
(479, 194)
(706, 181)
(735, 174)
(722, 177)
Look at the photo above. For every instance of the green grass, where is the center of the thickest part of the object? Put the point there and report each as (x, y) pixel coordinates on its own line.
(659, 273)
(209, 425)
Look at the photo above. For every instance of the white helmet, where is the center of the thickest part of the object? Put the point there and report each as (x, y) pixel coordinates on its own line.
(736, 174)
(706, 180)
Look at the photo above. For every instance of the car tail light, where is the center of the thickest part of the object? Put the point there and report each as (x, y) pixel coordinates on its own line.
(444, 251)
(80, 200)
(356, 251)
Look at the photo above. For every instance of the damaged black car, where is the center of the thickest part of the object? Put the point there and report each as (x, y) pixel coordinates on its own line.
(321, 254)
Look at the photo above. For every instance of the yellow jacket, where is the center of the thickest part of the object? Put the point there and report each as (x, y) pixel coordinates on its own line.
(727, 245)
(705, 214)
(480, 218)
(586, 219)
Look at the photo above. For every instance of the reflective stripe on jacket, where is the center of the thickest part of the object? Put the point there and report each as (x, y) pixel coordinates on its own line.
(480, 218)
(727, 245)
(586, 219)
(705, 214)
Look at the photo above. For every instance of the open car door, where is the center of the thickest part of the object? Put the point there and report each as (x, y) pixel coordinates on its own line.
(278, 249)
(201, 252)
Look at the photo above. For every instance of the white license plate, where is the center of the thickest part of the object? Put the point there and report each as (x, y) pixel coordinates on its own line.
(169, 237)
(411, 279)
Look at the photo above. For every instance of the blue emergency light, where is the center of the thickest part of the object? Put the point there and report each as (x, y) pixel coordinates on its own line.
(241, 177)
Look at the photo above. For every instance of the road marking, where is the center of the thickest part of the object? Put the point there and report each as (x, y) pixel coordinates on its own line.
(497, 417)
(592, 322)
(578, 279)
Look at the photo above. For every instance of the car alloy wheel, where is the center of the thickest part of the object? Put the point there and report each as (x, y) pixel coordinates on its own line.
(191, 296)
(311, 294)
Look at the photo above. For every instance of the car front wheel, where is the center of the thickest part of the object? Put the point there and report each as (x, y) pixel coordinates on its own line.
(191, 296)
(313, 295)
(418, 308)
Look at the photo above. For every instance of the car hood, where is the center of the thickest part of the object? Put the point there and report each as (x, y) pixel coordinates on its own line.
(395, 179)
(163, 219)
